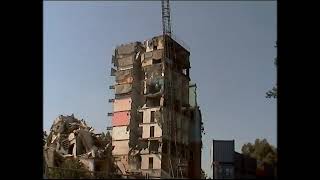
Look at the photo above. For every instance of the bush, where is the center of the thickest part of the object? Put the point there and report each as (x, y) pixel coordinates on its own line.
(70, 168)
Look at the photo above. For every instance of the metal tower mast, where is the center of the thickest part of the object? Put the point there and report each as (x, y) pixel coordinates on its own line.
(166, 24)
(168, 66)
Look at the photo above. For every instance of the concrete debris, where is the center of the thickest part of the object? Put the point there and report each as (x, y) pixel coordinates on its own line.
(70, 137)
(123, 88)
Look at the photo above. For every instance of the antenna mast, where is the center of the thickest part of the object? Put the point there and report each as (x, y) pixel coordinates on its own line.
(166, 23)
(167, 63)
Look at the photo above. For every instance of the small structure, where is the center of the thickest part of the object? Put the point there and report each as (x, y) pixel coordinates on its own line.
(223, 159)
(228, 164)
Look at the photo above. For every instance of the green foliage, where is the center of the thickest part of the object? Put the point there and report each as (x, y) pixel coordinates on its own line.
(72, 164)
(273, 92)
(103, 139)
(262, 151)
(108, 137)
(70, 168)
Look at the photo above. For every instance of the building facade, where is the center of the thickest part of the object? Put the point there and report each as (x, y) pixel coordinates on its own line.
(223, 159)
(156, 122)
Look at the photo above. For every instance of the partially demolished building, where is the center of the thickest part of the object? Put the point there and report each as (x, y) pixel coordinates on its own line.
(156, 122)
(70, 138)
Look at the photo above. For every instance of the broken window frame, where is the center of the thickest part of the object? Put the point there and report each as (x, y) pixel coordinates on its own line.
(152, 117)
(154, 146)
(156, 61)
(152, 102)
(151, 132)
(140, 131)
(150, 163)
(140, 117)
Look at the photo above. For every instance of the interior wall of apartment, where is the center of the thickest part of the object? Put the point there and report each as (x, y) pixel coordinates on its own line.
(123, 76)
(122, 104)
(146, 130)
(120, 147)
(154, 42)
(120, 133)
(145, 161)
(121, 118)
(123, 88)
(147, 114)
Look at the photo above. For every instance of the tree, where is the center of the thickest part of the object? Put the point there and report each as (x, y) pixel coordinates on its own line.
(70, 168)
(262, 151)
(273, 92)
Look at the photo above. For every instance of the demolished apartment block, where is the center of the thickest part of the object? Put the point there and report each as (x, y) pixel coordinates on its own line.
(72, 138)
(147, 93)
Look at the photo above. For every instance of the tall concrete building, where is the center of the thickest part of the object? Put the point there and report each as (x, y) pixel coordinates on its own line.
(156, 122)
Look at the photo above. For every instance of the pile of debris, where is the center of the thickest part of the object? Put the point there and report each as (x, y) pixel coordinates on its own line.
(73, 138)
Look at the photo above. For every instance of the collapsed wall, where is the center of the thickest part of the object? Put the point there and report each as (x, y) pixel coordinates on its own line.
(73, 138)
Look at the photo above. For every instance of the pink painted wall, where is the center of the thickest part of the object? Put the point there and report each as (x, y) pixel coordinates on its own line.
(121, 118)
(122, 105)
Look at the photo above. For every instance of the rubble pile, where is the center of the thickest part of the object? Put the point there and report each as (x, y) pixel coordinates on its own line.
(73, 138)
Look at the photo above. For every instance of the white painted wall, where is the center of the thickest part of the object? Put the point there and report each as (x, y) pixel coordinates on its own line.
(120, 133)
(146, 130)
(120, 147)
(156, 161)
(147, 114)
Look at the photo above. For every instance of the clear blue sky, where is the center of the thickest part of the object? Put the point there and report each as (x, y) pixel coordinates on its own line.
(232, 53)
